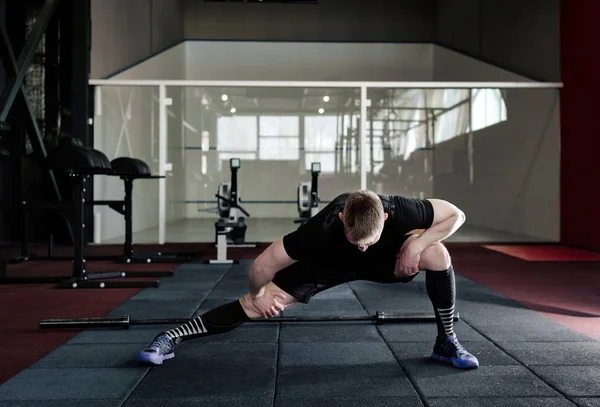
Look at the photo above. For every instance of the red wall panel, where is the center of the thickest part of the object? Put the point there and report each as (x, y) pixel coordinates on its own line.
(580, 124)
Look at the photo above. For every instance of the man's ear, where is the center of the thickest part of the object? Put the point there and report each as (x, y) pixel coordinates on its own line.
(385, 216)
(341, 216)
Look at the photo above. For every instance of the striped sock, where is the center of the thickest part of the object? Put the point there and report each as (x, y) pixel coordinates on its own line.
(446, 317)
(441, 289)
(218, 320)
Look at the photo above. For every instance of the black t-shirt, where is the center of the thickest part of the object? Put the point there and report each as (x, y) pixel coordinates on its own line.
(322, 240)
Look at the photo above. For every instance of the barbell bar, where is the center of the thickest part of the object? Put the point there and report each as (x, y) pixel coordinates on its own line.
(380, 317)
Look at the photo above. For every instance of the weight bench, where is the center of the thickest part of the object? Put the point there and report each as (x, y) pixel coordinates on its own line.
(78, 164)
(128, 169)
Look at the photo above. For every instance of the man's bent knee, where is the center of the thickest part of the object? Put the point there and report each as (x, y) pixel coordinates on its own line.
(435, 257)
(246, 300)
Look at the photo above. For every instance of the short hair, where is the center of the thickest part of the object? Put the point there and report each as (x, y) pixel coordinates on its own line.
(363, 215)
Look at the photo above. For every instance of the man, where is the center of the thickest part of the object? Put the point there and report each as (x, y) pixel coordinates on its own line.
(358, 236)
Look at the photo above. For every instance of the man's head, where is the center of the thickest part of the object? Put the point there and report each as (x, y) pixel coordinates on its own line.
(363, 218)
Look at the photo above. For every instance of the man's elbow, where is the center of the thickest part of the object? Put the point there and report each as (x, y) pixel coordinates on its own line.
(462, 218)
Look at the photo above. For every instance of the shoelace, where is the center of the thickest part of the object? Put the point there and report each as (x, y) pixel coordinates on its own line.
(158, 344)
(454, 342)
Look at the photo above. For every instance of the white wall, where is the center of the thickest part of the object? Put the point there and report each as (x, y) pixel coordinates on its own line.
(450, 65)
(126, 32)
(329, 20)
(308, 61)
(516, 163)
(520, 35)
(169, 64)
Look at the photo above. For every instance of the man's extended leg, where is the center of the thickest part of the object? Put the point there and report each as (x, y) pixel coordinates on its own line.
(441, 288)
(216, 321)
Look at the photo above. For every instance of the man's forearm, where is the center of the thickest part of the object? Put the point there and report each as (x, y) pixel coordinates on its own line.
(259, 277)
(439, 232)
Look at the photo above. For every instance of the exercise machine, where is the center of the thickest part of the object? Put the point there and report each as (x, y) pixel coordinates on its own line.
(308, 196)
(231, 226)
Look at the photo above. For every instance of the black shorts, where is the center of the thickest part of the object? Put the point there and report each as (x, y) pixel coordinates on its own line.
(302, 280)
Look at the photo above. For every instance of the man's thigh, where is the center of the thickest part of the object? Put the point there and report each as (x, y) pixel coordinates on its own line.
(303, 280)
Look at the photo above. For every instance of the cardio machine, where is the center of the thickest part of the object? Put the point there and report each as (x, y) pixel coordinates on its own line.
(231, 224)
(308, 196)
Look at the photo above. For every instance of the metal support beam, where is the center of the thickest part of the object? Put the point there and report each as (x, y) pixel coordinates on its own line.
(33, 130)
(27, 55)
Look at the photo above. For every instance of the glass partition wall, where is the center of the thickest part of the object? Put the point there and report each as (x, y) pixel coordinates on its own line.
(491, 149)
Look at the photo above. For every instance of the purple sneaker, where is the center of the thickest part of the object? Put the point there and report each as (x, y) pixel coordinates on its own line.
(160, 349)
(449, 350)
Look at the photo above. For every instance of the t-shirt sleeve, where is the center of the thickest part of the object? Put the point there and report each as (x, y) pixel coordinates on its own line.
(415, 213)
(299, 243)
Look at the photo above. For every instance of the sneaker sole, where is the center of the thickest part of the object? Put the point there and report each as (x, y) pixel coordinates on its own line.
(455, 362)
(154, 359)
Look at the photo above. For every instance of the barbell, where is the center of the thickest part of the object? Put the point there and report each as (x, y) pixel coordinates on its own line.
(380, 317)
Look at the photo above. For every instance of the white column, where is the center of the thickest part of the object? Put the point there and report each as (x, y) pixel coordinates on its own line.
(162, 162)
(363, 137)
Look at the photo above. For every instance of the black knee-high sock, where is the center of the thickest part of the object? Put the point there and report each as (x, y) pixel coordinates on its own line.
(441, 289)
(218, 320)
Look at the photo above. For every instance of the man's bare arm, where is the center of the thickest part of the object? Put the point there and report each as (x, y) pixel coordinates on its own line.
(264, 268)
(447, 220)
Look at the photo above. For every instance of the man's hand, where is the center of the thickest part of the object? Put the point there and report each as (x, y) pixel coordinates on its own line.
(266, 303)
(407, 260)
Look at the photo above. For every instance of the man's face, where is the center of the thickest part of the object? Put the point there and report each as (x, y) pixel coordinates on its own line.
(364, 245)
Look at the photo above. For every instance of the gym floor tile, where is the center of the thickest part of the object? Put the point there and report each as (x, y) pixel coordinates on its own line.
(213, 370)
(336, 293)
(203, 355)
(420, 352)
(404, 401)
(587, 402)
(205, 269)
(320, 381)
(554, 353)
(210, 304)
(498, 314)
(174, 284)
(523, 331)
(575, 381)
(334, 354)
(329, 332)
(500, 402)
(246, 333)
(229, 290)
(138, 334)
(439, 380)
(71, 384)
(91, 356)
(169, 294)
(157, 309)
(377, 290)
(208, 382)
(212, 401)
(60, 403)
(196, 275)
(398, 304)
(325, 307)
(425, 332)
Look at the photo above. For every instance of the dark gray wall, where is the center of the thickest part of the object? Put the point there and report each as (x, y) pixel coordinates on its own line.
(125, 32)
(330, 20)
(519, 35)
